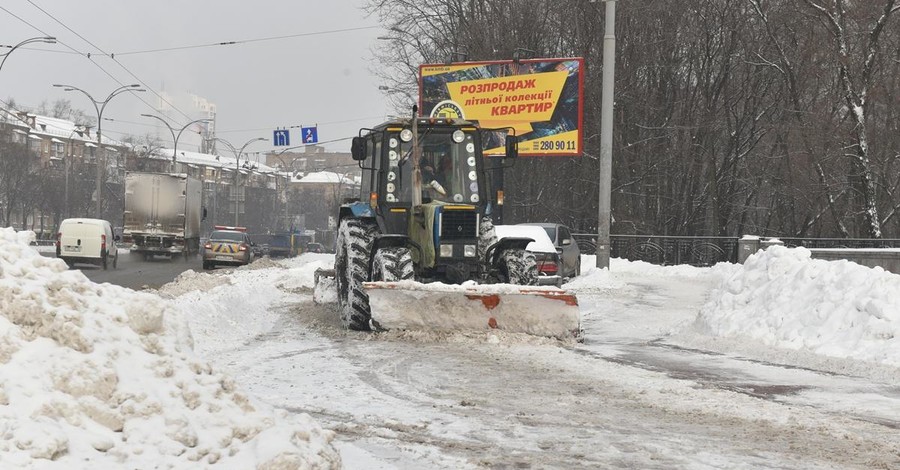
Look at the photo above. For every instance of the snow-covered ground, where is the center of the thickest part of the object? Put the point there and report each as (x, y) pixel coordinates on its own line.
(99, 376)
(784, 362)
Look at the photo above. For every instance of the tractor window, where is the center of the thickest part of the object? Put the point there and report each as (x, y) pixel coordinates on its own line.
(367, 184)
(449, 168)
(375, 164)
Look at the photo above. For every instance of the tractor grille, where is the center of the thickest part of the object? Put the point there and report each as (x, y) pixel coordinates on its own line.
(457, 224)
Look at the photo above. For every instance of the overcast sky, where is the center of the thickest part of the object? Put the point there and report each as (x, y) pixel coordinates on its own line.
(258, 86)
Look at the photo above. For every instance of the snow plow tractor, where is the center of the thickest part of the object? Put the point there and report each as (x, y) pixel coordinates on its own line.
(417, 251)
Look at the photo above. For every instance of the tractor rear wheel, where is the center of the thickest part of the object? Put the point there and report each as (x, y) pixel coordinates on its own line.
(351, 265)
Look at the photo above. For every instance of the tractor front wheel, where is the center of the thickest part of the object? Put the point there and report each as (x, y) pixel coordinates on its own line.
(351, 266)
(519, 267)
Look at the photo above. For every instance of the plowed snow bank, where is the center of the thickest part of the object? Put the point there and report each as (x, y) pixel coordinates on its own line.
(98, 376)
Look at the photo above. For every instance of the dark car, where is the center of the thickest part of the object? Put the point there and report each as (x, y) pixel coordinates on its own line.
(569, 253)
(314, 247)
(280, 246)
(272, 245)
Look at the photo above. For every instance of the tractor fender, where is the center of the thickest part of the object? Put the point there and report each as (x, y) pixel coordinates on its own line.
(356, 209)
(492, 254)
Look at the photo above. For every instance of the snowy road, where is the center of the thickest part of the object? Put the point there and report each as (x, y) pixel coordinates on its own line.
(631, 396)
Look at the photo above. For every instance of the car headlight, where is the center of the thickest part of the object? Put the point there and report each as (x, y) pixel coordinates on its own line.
(446, 251)
(469, 251)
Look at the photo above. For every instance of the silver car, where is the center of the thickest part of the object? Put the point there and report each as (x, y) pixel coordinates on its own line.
(569, 253)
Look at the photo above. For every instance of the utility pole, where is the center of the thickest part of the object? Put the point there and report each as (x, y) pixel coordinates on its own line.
(237, 170)
(99, 107)
(606, 137)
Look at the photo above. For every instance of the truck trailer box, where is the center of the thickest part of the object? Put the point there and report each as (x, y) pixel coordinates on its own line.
(162, 213)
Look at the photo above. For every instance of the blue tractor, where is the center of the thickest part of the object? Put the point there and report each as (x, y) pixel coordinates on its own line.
(420, 234)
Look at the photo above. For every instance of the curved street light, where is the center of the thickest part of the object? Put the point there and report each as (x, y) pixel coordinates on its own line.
(174, 137)
(237, 166)
(45, 39)
(80, 130)
(99, 106)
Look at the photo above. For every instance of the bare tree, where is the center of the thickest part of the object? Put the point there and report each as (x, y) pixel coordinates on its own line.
(857, 45)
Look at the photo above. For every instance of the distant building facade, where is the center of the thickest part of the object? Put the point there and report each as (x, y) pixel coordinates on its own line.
(48, 172)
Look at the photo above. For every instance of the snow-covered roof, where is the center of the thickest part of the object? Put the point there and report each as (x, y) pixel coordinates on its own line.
(64, 128)
(205, 159)
(49, 127)
(327, 177)
(541, 243)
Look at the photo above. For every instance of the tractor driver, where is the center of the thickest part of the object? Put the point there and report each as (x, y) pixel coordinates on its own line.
(435, 175)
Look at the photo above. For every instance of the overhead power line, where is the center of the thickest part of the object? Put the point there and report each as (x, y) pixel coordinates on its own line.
(246, 41)
(198, 46)
(64, 44)
(283, 127)
(148, 87)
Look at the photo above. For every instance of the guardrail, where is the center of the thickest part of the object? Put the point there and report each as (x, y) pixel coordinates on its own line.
(664, 250)
(706, 251)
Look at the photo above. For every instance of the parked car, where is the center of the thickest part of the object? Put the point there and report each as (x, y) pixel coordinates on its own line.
(545, 253)
(569, 253)
(314, 247)
(280, 245)
(229, 246)
(272, 245)
(90, 241)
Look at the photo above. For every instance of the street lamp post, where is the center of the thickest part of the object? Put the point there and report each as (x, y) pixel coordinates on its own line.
(289, 169)
(79, 129)
(237, 168)
(174, 137)
(99, 107)
(45, 39)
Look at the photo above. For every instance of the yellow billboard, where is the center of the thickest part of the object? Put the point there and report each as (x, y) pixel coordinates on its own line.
(539, 99)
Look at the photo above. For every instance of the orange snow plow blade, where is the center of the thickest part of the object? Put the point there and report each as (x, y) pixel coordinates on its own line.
(538, 311)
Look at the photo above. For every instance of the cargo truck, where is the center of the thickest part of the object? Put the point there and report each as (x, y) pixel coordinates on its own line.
(162, 214)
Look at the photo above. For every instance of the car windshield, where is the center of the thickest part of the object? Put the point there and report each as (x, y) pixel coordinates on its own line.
(227, 236)
(449, 171)
(551, 232)
(280, 241)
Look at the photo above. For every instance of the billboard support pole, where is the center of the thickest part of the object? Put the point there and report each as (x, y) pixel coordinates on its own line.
(606, 135)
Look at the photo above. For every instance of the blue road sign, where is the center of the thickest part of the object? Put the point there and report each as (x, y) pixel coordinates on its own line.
(310, 135)
(281, 137)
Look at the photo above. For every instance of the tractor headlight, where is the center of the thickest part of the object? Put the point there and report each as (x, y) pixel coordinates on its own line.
(469, 251)
(446, 251)
(458, 136)
(406, 135)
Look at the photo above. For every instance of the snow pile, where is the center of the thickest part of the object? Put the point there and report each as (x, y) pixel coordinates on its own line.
(784, 298)
(99, 376)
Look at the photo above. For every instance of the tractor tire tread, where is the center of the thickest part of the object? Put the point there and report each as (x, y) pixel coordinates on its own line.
(354, 245)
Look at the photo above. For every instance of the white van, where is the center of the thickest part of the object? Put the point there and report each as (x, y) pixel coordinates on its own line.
(86, 241)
